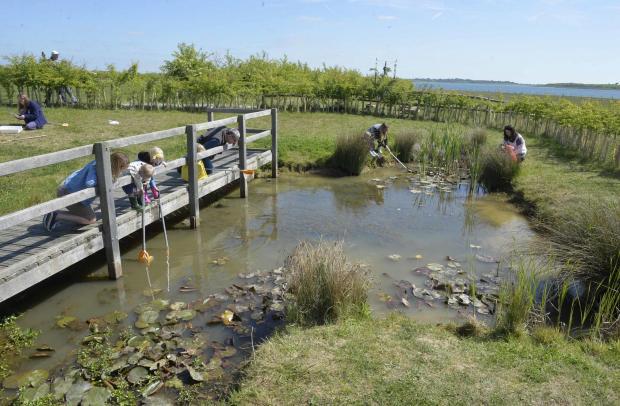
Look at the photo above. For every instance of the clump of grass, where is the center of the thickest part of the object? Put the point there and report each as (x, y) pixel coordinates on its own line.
(497, 170)
(516, 305)
(403, 146)
(324, 285)
(472, 328)
(584, 240)
(547, 335)
(351, 154)
(476, 138)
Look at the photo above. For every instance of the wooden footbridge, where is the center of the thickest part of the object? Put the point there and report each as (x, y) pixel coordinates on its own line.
(30, 254)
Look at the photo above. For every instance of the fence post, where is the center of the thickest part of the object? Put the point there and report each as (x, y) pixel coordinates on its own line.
(274, 143)
(243, 182)
(105, 189)
(192, 178)
(209, 116)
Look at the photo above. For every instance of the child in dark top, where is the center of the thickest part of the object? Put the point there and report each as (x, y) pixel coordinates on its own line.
(30, 111)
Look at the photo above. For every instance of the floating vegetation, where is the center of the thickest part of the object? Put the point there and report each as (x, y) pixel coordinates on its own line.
(169, 351)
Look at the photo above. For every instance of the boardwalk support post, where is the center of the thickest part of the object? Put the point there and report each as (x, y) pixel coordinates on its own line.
(209, 116)
(243, 182)
(192, 179)
(274, 143)
(105, 188)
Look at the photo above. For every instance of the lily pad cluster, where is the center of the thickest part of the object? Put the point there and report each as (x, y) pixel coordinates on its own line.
(167, 347)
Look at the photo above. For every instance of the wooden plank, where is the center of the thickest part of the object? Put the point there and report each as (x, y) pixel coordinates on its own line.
(192, 175)
(213, 124)
(254, 130)
(258, 136)
(243, 184)
(105, 185)
(274, 143)
(257, 114)
(144, 138)
(24, 164)
(209, 152)
(21, 216)
(231, 110)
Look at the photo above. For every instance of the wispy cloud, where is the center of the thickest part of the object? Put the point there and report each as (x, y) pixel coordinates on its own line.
(437, 15)
(310, 19)
(387, 18)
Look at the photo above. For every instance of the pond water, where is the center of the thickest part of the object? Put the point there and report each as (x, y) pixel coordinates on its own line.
(382, 214)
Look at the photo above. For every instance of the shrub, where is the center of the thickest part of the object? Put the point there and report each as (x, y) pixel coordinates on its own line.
(351, 154)
(324, 286)
(403, 146)
(497, 170)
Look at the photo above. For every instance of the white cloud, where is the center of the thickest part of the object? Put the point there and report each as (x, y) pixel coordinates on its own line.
(386, 18)
(437, 15)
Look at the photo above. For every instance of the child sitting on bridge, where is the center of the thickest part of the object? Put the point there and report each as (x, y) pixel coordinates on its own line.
(154, 157)
(202, 173)
(83, 213)
(141, 174)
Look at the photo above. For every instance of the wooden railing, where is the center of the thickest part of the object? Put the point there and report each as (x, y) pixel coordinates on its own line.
(106, 186)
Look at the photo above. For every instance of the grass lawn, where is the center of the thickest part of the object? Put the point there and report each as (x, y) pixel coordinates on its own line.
(305, 140)
(398, 361)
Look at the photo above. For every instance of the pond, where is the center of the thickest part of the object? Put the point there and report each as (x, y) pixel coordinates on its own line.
(401, 227)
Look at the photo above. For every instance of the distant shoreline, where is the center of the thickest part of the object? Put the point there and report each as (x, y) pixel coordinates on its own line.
(612, 86)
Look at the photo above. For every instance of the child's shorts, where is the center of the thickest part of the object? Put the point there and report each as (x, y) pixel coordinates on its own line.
(77, 209)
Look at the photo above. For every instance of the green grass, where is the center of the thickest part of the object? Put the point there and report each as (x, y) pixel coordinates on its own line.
(398, 361)
(306, 140)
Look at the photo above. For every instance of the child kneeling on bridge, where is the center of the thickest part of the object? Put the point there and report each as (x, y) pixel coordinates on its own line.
(154, 157)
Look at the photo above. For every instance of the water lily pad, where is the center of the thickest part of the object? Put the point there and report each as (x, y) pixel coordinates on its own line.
(33, 394)
(76, 392)
(178, 305)
(61, 386)
(405, 302)
(115, 317)
(195, 375)
(137, 375)
(96, 396)
(435, 267)
(29, 378)
(453, 264)
(146, 318)
(394, 257)
(148, 292)
(384, 297)
(66, 321)
(221, 261)
(380, 187)
(44, 347)
(185, 315)
(487, 259)
(152, 388)
(138, 341)
(40, 354)
(417, 256)
(476, 247)
(415, 191)
(463, 299)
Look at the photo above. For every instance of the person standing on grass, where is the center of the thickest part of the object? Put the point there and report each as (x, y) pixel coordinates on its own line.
(82, 212)
(31, 112)
(220, 136)
(63, 90)
(376, 136)
(514, 140)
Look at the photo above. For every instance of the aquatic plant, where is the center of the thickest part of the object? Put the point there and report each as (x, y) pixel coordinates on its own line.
(351, 154)
(324, 285)
(497, 170)
(584, 240)
(516, 305)
(403, 146)
(13, 339)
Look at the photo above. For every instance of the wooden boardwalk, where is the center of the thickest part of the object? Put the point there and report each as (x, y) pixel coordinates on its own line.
(30, 254)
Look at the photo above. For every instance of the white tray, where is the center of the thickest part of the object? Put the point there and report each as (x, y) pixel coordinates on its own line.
(11, 129)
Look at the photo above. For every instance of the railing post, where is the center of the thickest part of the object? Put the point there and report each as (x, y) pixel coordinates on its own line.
(209, 116)
(274, 143)
(243, 182)
(105, 189)
(192, 178)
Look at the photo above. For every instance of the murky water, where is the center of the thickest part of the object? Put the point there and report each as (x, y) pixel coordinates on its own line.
(244, 235)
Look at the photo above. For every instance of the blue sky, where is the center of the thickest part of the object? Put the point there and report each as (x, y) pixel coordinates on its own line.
(525, 41)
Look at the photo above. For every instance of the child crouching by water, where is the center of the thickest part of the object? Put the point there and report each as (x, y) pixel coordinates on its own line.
(154, 157)
(82, 212)
(141, 174)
